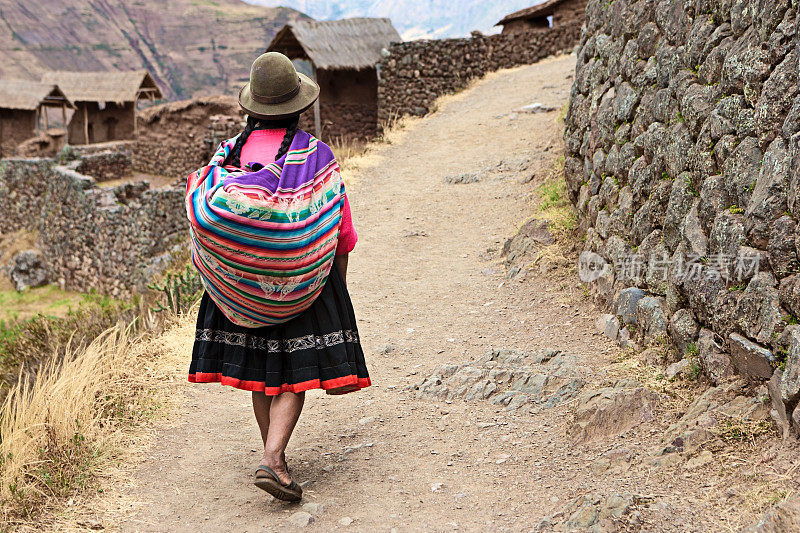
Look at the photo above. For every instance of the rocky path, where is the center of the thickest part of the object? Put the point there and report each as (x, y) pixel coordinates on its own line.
(495, 402)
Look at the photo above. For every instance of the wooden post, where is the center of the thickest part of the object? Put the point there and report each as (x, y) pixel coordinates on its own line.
(135, 124)
(46, 119)
(317, 118)
(64, 117)
(86, 121)
(36, 115)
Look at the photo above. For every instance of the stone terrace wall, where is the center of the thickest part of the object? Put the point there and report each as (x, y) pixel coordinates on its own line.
(177, 138)
(107, 165)
(683, 158)
(109, 239)
(415, 73)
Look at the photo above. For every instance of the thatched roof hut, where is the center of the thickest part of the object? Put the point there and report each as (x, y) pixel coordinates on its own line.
(337, 44)
(106, 102)
(342, 56)
(106, 86)
(551, 13)
(22, 104)
(30, 95)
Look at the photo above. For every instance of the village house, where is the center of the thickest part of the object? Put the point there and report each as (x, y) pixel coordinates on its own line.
(105, 102)
(341, 55)
(550, 14)
(23, 104)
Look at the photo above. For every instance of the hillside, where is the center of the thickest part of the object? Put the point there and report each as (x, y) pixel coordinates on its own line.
(193, 47)
(414, 19)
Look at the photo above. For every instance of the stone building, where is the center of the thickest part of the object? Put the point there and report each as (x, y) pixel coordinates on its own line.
(341, 55)
(105, 102)
(21, 110)
(550, 14)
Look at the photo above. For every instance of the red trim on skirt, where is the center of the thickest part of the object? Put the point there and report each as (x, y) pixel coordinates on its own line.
(348, 383)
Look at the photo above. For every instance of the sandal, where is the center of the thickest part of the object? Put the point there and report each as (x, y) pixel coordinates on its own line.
(270, 482)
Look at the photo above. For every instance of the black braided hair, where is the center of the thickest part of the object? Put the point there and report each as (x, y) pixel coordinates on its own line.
(291, 129)
(236, 152)
(290, 124)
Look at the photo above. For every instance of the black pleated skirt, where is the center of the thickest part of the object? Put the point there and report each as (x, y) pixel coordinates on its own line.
(319, 349)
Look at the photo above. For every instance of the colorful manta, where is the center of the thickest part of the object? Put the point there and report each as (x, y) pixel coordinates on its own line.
(264, 241)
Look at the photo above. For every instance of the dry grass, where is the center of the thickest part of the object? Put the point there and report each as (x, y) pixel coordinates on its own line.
(60, 426)
(355, 158)
(346, 149)
(80, 387)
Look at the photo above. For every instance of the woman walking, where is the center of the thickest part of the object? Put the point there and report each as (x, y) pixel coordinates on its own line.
(271, 233)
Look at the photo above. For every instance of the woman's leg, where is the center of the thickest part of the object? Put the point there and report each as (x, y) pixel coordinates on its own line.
(284, 411)
(261, 403)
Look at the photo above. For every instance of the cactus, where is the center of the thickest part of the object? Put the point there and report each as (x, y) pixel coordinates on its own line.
(180, 290)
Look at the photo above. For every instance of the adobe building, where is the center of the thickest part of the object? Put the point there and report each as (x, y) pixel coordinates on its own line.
(341, 55)
(105, 102)
(550, 14)
(23, 103)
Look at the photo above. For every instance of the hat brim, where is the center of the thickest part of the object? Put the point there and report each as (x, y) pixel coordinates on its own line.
(309, 92)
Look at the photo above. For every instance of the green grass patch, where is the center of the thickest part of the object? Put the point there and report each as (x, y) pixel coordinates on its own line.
(48, 300)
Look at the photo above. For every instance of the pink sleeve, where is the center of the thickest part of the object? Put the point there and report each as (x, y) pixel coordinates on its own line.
(347, 232)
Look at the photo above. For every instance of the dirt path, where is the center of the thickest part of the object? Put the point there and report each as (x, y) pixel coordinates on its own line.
(429, 288)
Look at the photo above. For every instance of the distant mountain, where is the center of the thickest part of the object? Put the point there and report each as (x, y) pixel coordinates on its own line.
(192, 47)
(414, 19)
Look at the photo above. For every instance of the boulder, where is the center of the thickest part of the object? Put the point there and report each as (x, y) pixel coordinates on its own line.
(726, 236)
(751, 360)
(776, 97)
(789, 294)
(716, 364)
(28, 270)
(741, 170)
(678, 368)
(782, 251)
(610, 411)
(768, 201)
(626, 304)
(778, 411)
(608, 324)
(683, 329)
(758, 312)
(651, 318)
(790, 380)
(681, 200)
(691, 230)
(780, 519)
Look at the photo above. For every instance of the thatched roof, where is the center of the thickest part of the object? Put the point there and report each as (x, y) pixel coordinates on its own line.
(105, 86)
(337, 44)
(215, 105)
(29, 95)
(541, 10)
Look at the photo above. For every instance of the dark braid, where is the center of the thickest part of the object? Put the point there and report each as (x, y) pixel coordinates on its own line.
(236, 152)
(253, 124)
(291, 129)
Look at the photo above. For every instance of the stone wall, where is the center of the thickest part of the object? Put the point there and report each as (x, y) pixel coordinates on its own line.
(415, 73)
(177, 138)
(112, 240)
(106, 166)
(683, 159)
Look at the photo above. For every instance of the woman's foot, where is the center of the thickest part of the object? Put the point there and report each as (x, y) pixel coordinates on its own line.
(277, 462)
(268, 480)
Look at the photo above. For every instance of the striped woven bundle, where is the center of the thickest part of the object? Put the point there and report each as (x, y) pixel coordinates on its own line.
(264, 241)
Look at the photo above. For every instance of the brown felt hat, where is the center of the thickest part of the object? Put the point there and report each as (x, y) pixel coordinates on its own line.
(276, 90)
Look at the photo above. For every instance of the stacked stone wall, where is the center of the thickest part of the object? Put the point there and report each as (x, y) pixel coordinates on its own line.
(415, 73)
(106, 166)
(112, 240)
(177, 138)
(683, 159)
